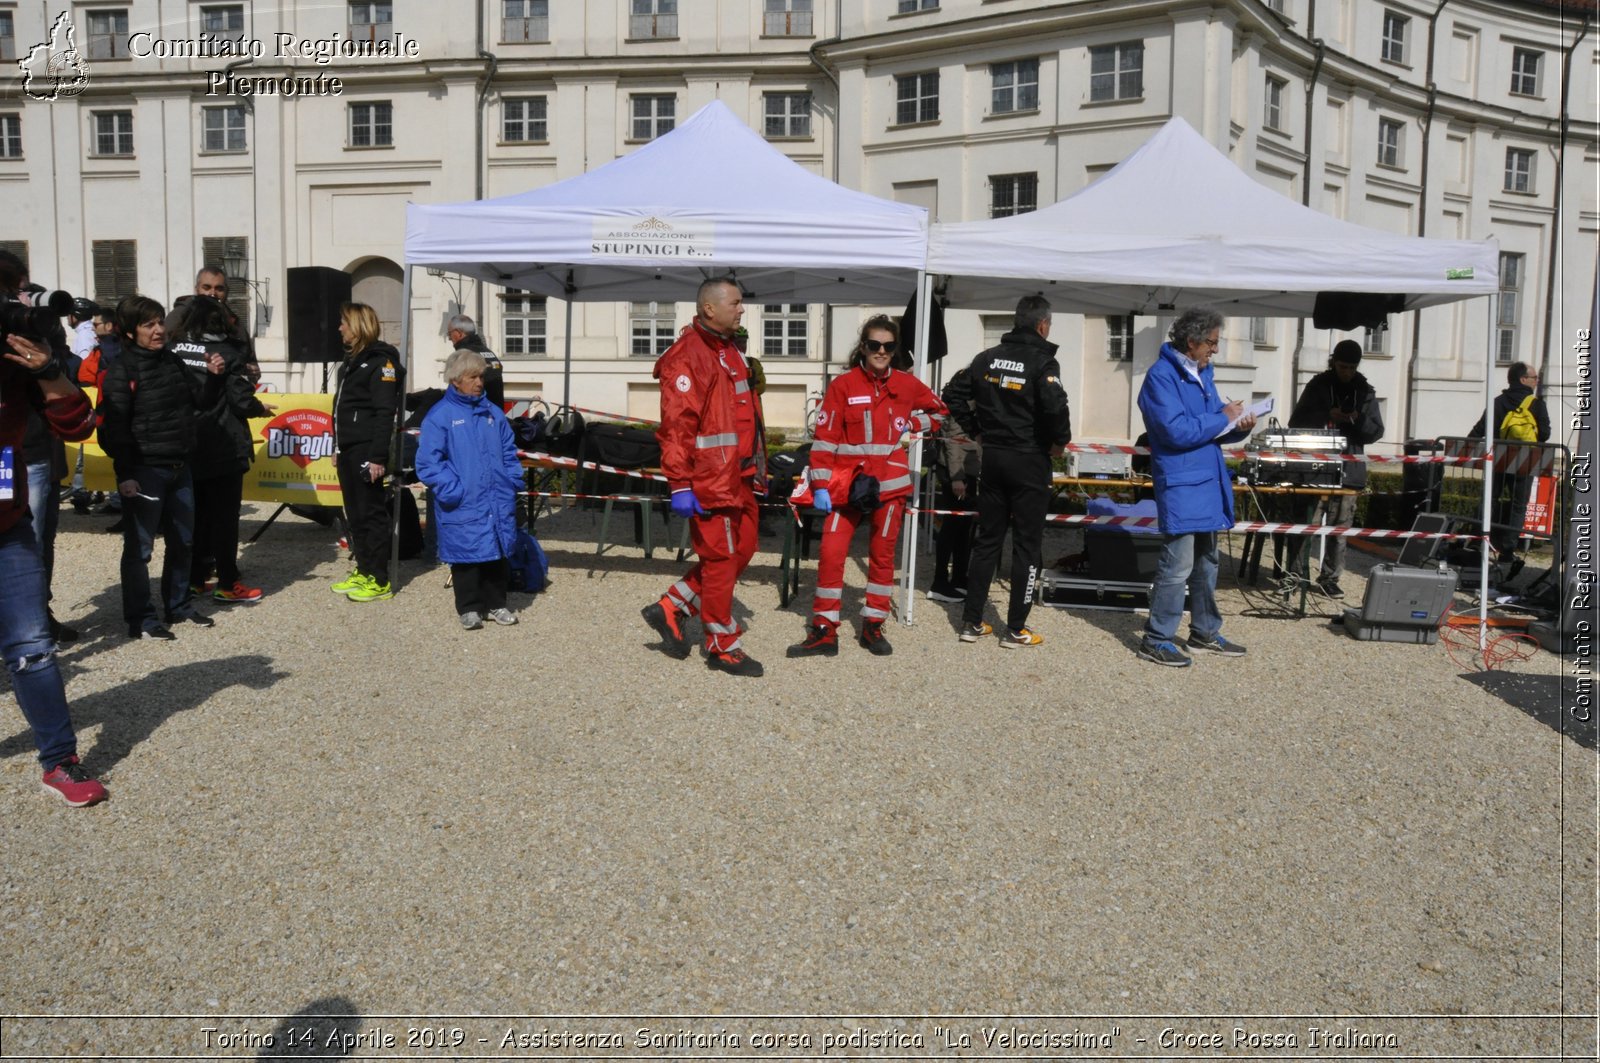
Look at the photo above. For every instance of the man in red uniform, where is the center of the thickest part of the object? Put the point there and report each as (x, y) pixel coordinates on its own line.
(713, 453)
(859, 474)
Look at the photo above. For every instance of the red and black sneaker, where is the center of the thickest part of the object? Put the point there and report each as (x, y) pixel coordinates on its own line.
(72, 784)
(873, 639)
(821, 640)
(662, 617)
(735, 662)
(237, 593)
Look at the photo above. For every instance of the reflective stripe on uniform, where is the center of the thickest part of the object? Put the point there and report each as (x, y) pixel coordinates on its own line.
(894, 484)
(833, 594)
(870, 613)
(822, 446)
(722, 629)
(826, 614)
(864, 449)
(888, 516)
(880, 588)
(741, 386)
(821, 474)
(724, 439)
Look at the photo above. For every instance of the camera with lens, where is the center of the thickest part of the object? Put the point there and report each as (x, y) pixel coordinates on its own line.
(34, 315)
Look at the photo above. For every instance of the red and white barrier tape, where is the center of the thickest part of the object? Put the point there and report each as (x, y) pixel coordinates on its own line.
(598, 413)
(1264, 527)
(574, 463)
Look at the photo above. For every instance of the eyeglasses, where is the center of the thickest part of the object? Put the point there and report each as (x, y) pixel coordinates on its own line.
(874, 346)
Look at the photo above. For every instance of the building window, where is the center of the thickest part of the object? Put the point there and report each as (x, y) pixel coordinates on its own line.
(222, 129)
(1525, 66)
(113, 133)
(108, 33)
(371, 20)
(1519, 170)
(1272, 109)
(1395, 26)
(653, 116)
(907, 7)
(232, 253)
(18, 248)
(653, 20)
(916, 98)
(116, 270)
(784, 330)
(522, 322)
(1510, 312)
(523, 120)
(222, 19)
(1014, 86)
(1376, 340)
(652, 329)
(787, 18)
(1260, 332)
(525, 22)
(372, 125)
(1116, 72)
(8, 36)
(1276, 5)
(1013, 193)
(1119, 338)
(10, 136)
(788, 114)
(1391, 142)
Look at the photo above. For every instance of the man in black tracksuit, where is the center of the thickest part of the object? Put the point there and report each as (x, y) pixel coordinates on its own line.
(1511, 490)
(1011, 401)
(462, 331)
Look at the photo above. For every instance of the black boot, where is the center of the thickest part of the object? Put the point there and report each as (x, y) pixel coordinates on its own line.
(821, 641)
(873, 639)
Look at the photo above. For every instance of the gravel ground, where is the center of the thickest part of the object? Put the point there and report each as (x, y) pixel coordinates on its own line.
(362, 811)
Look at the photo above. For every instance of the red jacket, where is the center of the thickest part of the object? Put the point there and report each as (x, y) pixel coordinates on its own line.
(72, 419)
(711, 427)
(859, 429)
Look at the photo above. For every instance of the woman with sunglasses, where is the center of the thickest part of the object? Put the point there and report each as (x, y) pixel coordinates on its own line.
(859, 473)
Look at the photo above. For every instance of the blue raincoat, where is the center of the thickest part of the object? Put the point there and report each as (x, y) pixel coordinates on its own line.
(468, 458)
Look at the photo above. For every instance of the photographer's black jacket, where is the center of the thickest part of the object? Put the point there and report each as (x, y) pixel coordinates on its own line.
(1011, 395)
(222, 429)
(148, 408)
(366, 402)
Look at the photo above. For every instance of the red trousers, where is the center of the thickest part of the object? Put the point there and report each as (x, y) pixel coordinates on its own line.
(837, 531)
(724, 540)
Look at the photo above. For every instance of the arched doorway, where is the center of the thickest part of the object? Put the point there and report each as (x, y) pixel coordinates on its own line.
(379, 283)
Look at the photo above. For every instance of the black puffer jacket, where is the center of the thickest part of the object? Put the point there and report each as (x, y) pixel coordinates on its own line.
(366, 402)
(222, 428)
(1324, 394)
(147, 410)
(494, 372)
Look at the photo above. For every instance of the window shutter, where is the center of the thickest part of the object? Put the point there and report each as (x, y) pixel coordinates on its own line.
(116, 270)
(16, 247)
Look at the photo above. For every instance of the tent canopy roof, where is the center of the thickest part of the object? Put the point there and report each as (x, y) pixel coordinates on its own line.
(1177, 224)
(709, 198)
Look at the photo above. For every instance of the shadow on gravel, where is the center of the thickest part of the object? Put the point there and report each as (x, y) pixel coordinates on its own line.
(131, 712)
(328, 1028)
(1550, 699)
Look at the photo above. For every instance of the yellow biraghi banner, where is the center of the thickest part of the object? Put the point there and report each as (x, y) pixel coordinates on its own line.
(294, 453)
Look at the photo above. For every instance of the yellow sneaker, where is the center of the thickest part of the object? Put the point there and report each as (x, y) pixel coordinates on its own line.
(348, 584)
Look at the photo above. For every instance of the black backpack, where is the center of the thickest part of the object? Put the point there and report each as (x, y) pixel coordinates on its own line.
(563, 433)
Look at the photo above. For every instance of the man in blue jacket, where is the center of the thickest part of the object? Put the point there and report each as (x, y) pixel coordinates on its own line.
(1188, 423)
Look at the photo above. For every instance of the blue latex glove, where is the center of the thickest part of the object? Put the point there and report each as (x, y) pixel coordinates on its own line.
(821, 501)
(685, 505)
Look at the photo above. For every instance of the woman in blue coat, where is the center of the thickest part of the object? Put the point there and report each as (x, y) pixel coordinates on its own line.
(1188, 423)
(468, 458)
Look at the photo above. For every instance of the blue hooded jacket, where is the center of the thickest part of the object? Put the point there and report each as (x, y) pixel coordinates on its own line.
(468, 458)
(1183, 416)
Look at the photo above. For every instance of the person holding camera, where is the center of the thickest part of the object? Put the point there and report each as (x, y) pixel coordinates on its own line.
(31, 379)
(148, 412)
(859, 473)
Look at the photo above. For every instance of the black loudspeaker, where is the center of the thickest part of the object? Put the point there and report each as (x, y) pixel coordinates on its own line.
(315, 293)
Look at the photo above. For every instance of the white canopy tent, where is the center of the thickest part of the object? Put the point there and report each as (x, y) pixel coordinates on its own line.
(1177, 224)
(709, 198)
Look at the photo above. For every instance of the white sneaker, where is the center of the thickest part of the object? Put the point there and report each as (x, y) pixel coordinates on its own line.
(471, 621)
(503, 617)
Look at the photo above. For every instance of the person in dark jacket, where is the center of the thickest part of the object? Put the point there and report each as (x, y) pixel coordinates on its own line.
(958, 464)
(365, 409)
(1339, 397)
(224, 451)
(212, 283)
(463, 334)
(1510, 489)
(468, 458)
(1188, 423)
(31, 378)
(1011, 401)
(147, 428)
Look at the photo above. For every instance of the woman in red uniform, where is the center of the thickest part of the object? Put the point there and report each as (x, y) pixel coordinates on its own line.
(859, 475)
